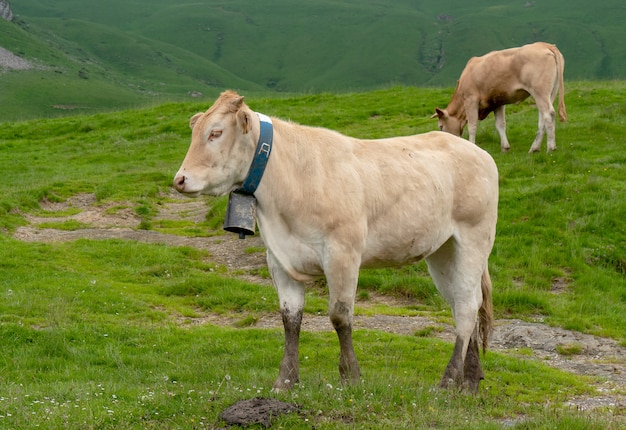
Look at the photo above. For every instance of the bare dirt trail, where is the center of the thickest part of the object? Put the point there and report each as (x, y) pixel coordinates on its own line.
(598, 356)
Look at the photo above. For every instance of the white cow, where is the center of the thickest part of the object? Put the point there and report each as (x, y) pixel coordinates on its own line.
(496, 79)
(328, 204)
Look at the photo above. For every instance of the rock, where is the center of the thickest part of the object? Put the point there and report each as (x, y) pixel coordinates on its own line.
(5, 10)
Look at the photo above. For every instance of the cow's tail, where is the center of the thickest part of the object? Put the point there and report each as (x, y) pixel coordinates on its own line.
(560, 67)
(485, 313)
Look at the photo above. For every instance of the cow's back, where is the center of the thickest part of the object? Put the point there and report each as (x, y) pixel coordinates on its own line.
(507, 74)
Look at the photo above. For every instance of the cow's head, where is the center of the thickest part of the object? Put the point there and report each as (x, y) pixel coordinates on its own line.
(449, 123)
(223, 141)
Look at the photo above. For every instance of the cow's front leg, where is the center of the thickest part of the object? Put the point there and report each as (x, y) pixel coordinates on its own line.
(341, 318)
(342, 277)
(291, 297)
(471, 111)
(289, 372)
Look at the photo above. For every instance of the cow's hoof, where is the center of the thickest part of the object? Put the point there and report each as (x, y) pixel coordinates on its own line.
(282, 385)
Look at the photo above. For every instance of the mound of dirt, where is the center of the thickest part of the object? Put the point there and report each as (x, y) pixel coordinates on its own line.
(256, 411)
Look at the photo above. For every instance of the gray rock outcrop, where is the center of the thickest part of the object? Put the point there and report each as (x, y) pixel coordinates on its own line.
(5, 10)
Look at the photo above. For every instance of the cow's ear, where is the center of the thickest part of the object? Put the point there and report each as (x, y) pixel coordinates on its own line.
(438, 113)
(238, 102)
(243, 115)
(193, 119)
(245, 120)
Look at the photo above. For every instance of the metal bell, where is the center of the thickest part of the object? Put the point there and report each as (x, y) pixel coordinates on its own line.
(240, 214)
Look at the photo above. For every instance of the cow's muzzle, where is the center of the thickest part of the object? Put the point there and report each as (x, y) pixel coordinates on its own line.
(179, 183)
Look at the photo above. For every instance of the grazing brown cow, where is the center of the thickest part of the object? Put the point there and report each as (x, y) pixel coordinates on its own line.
(329, 204)
(496, 79)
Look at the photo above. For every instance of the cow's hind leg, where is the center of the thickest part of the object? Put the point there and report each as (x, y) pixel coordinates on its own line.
(291, 297)
(457, 275)
(550, 127)
(500, 114)
(545, 126)
(465, 372)
(472, 370)
(453, 375)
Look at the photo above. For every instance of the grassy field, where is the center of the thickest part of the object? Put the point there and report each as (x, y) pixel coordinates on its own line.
(92, 329)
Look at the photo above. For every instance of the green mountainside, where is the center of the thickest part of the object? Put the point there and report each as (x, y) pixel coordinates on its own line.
(95, 54)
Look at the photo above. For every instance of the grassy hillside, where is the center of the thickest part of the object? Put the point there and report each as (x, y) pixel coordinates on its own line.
(142, 51)
(69, 77)
(331, 45)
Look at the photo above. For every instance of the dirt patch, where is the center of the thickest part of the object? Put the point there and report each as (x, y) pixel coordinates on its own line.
(589, 355)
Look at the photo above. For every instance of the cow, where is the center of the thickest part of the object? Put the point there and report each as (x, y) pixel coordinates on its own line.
(328, 204)
(489, 83)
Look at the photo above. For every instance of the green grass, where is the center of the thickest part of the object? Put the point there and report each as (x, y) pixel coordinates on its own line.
(126, 376)
(98, 334)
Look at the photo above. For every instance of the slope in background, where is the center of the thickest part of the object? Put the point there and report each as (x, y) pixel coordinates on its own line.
(96, 54)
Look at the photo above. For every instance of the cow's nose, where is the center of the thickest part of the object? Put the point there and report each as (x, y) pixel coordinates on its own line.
(179, 182)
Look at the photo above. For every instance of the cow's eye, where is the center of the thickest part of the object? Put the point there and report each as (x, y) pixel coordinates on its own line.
(215, 134)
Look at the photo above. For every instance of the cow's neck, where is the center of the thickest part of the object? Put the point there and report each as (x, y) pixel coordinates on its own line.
(261, 156)
(279, 164)
(456, 107)
(291, 169)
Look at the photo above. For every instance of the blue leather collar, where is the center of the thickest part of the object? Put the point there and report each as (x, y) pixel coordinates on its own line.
(261, 155)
